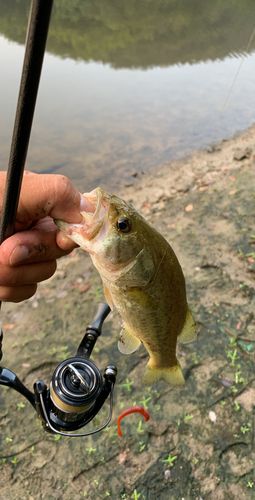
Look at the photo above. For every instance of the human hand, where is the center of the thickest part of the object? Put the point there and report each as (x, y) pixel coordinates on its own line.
(29, 256)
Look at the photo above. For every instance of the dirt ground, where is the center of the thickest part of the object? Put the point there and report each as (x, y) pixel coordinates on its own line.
(199, 442)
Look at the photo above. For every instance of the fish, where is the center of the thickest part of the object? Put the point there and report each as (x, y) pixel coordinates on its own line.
(141, 277)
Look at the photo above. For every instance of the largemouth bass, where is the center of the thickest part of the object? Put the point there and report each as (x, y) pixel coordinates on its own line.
(142, 277)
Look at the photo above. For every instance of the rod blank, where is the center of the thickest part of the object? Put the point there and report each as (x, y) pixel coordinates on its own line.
(37, 31)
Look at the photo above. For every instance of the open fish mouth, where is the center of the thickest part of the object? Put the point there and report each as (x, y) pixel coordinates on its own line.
(92, 221)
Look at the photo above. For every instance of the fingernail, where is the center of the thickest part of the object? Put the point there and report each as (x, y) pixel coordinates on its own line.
(19, 254)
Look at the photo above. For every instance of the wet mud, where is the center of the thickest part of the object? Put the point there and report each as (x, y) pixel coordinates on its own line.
(199, 442)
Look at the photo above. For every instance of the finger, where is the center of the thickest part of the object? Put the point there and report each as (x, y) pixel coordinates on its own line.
(28, 274)
(53, 195)
(37, 244)
(17, 293)
(64, 242)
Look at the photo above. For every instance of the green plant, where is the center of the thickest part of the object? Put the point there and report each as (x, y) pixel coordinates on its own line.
(144, 402)
(237, 405)
(142, 446)
(233, 356)
(135, 495)
(187, 418)
(244, 429)
(170, 460)
(91, 450)
(20, 405)
(32, 451)
(139, 428)
(127, 385)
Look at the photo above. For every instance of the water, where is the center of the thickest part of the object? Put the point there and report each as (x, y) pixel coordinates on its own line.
(109, 106)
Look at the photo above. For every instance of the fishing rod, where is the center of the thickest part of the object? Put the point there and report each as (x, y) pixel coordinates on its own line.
(77, 390)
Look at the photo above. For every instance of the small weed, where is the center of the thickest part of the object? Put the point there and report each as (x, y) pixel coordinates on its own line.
(9, 440)
(135, 495)
(237, 405)
(53, 351)
(127, 385)
(20, 406)
(233, 356)
(91, 450)
(144, 402)
(139, 428)
(250, 484)
(170, 460)
(32, 451)
(187, 418)
(244, 429)
(142, 446)
(57, 437)
(15, 460)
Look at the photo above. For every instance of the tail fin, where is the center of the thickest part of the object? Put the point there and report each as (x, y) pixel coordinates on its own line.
(172, 376)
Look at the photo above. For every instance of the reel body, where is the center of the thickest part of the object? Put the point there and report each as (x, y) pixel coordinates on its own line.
(77, 390)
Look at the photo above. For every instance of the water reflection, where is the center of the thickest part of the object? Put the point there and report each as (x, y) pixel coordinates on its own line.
(139, 33)
(98, 125)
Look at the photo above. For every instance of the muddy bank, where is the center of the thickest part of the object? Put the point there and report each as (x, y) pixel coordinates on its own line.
(199, 443)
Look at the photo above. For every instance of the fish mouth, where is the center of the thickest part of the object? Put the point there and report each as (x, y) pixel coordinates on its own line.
(93, 220)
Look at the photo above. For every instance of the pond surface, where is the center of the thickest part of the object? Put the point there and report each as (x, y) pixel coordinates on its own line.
(124, 89)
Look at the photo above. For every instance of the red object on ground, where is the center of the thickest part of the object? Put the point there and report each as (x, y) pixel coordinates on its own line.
(128, 411)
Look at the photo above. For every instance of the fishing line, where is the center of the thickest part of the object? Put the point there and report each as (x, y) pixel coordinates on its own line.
(231, 88)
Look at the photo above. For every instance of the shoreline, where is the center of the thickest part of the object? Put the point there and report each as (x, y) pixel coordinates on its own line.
(173, 179)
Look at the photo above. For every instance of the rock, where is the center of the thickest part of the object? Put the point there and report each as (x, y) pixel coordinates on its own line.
(243, 153)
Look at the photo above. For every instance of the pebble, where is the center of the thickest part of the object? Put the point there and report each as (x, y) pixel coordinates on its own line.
(61, 295)
(17, 317)
(167, 474)
(212, 416)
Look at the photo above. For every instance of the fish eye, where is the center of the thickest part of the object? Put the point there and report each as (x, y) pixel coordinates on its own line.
(124, 225)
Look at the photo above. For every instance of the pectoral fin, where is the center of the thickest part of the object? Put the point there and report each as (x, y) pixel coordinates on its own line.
(108, 297)
(127, 341)
(188, 333)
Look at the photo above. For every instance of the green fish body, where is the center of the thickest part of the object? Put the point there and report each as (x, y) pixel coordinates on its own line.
(142, 278)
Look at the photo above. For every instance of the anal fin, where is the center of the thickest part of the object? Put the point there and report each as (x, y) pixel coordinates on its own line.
(188, 333)
(127, 341)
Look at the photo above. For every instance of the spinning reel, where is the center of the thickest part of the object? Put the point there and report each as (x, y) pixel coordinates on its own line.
(77, 390)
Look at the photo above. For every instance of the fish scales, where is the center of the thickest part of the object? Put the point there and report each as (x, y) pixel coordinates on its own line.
(142, 277)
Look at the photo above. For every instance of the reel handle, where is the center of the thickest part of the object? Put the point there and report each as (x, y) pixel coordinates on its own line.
(93, 330)
(101, 311)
